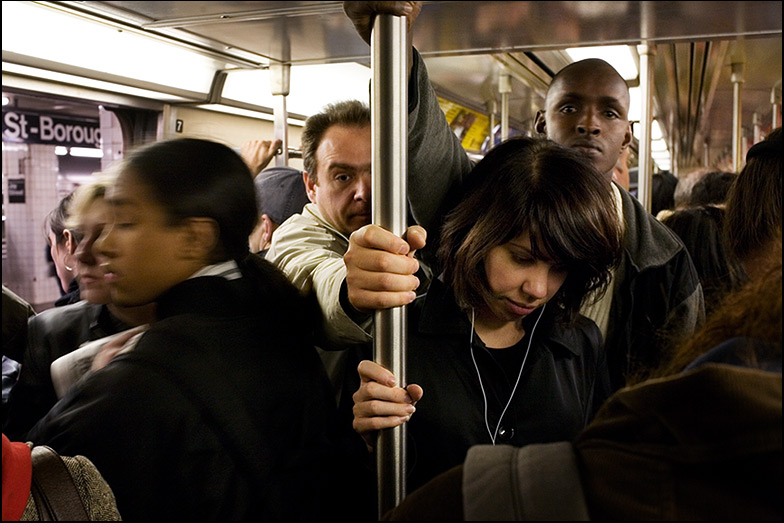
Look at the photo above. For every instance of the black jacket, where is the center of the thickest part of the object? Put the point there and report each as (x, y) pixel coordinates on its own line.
(53, 333)
(222, 411)
(563, 383)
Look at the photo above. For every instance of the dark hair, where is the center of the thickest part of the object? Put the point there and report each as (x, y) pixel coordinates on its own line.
(663, 184)
(189, 177)
(754, 200)
(700, 229)
(55, 221)
(752, 311)
(350, 113)
(712, 188)
(553, 193)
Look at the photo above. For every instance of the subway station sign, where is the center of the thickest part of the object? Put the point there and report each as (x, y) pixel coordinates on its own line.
(32, 127)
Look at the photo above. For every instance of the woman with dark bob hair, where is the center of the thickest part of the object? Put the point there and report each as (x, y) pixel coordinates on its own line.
(202, 415)
(497, 348)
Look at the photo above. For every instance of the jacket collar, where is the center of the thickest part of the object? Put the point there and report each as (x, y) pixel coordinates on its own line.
(312, 211)
(647, 241)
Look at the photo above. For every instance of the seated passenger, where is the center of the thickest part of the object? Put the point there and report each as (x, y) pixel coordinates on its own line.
(61, 330)
(535, 227)
(206, 416)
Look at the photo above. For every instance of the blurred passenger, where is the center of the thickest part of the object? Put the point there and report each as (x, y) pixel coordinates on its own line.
(754, 204)
(280, 193)
(62, 330)
(536, 226)
(205, 417)
(62, 245)
(712, 189)
(701, 230)
(587, 109)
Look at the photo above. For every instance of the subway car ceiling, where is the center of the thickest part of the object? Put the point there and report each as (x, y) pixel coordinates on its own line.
(706, 56)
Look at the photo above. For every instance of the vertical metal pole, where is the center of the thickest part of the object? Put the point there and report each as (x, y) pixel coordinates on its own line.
(737, 114)
(504, 88)
(756, 121)
(389, 108)
(645, 170)
(280, 80)
(775, 101)
(491, 110)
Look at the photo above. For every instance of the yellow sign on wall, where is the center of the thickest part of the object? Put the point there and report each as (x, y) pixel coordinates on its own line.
(471, 127)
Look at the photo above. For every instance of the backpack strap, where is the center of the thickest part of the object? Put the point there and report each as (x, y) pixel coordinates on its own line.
(53, 489)
(538, 482)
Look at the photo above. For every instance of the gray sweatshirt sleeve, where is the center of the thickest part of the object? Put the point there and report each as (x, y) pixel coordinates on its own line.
(437, 162)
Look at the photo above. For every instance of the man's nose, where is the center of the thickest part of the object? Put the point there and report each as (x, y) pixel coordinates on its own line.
(589, 123)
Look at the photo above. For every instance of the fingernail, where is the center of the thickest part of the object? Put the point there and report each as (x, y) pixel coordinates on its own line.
(404, 419)
(410, 409)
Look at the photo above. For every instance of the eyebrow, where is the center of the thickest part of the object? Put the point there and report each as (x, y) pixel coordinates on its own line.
(522, 248)
(604, 99)
(348, 166)
(542, 256)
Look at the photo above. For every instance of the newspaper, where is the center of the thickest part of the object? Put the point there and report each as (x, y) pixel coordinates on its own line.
(70, 368)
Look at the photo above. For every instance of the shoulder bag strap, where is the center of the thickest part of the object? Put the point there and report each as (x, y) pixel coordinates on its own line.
(53, 488)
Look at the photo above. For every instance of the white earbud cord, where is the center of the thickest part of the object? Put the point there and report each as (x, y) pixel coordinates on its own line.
(519, 375)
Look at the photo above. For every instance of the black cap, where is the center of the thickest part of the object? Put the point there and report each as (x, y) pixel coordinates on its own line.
(280, 192)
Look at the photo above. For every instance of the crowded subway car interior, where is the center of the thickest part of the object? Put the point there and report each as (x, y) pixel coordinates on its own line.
(87, 83)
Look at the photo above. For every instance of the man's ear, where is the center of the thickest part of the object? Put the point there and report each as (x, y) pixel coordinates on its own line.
(310, 187)
(200, 237)
(267, 228)
(627, 139)
(540, 124)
